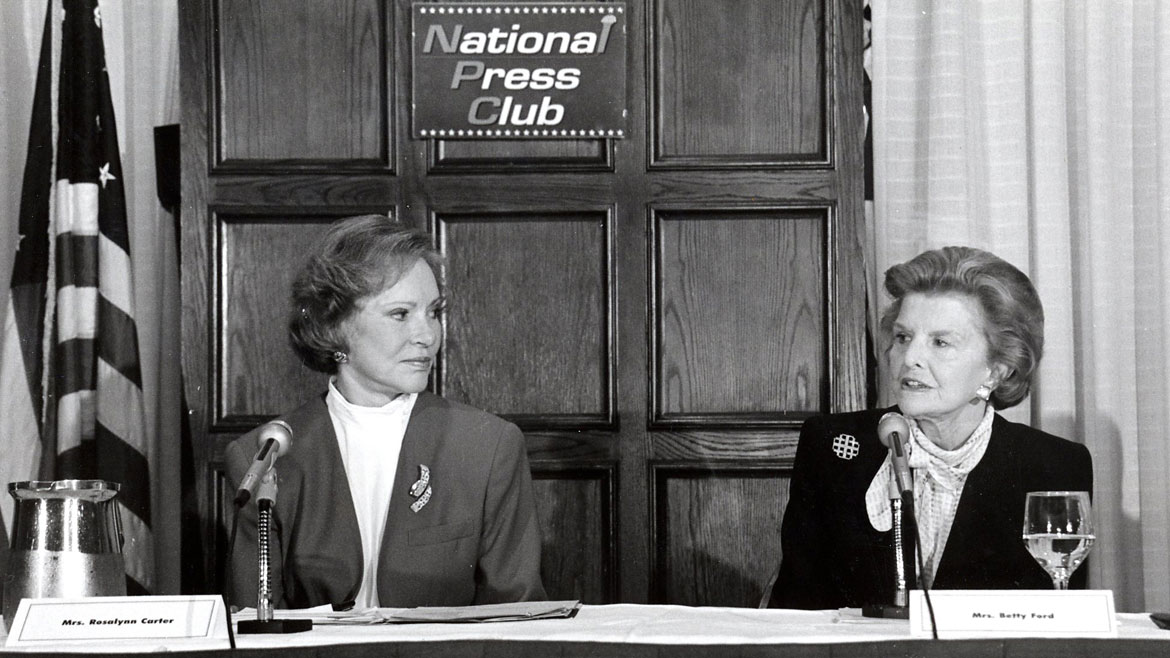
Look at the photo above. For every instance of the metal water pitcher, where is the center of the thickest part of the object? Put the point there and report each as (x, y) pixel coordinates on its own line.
(67, 542)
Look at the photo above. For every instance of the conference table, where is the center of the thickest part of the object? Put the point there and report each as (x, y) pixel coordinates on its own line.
(645, 631)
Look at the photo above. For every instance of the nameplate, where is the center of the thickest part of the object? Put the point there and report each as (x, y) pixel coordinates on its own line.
(1014, 613)
(121, 623)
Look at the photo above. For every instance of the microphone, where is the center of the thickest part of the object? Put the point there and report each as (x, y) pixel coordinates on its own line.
(894, 432)
(275, 439)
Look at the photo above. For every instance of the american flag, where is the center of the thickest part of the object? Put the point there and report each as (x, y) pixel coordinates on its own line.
(94, 420)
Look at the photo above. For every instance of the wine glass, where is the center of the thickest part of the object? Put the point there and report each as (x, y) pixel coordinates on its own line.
(1058, 531)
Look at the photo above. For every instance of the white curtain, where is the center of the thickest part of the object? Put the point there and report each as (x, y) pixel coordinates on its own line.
(1040, 130)
(142, 57)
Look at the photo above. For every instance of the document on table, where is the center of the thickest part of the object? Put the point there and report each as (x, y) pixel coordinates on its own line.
(491, 612)
(522, 611)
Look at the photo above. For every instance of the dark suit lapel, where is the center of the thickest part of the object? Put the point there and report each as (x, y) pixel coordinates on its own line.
(328, 496)
(326, 458)
(419, 448)
(982, 506)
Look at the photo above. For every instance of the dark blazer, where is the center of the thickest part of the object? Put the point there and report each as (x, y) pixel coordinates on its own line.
(475, 541)
(834, 558)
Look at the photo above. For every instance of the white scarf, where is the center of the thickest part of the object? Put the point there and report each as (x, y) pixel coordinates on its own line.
(939, 477)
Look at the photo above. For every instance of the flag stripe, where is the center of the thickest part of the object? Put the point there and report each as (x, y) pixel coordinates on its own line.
(76, 370)
(77, 207)
(77, 260)
(118, 342)
(119, 404)
(76, 419)
(114, 270)
(74, 316)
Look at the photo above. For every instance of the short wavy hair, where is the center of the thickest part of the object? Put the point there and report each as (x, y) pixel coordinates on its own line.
(358, 257)
(1013, 317)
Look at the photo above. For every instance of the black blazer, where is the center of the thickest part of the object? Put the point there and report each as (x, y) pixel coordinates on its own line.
(834, 558)
(476, 540)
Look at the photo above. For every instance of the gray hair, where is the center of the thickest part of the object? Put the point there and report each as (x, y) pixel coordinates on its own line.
(1012, 313)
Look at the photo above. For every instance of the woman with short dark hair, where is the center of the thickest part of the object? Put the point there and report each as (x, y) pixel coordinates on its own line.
(390, 496)
(965, 333)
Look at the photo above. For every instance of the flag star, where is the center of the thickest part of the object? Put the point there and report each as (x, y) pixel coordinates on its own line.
(97, 16)
(104, 175)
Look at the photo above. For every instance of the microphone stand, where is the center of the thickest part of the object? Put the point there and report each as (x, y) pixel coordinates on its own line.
(265, 621)
(901, 599)
(902, 510)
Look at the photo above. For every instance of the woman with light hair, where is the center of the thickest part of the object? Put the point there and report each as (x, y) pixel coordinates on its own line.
(390, 496)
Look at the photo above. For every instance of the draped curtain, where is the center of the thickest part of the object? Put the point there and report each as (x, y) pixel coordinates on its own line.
(142, 58)
(1040, 130)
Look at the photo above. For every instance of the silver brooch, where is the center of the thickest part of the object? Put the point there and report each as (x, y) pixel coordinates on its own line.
(421, 489)
(846, 446)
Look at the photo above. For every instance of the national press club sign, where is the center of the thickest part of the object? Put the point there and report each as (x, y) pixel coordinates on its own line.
(519, 70)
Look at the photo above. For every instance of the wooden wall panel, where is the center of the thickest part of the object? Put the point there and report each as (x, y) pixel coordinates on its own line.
(578, 534)
(717, 533)
(495, 155)
(739, 315)
(291, 97)
(738, 83)
(258, 253)
(529, 327)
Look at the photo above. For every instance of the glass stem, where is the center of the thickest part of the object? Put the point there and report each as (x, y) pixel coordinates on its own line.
(1059, 582)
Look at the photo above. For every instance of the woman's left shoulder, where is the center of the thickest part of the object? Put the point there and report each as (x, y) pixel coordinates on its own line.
(1036, 440)
(465, 416)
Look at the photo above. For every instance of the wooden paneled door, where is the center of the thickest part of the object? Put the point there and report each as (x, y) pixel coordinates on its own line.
(658, 313)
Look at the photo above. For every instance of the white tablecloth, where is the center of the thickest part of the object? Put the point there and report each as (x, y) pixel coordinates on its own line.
(639, 624)
(657, 624)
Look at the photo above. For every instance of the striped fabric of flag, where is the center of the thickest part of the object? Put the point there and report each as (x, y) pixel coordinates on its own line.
(22, 352)
(97, 382)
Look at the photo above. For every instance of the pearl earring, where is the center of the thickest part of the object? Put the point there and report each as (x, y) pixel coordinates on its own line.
(983, 392)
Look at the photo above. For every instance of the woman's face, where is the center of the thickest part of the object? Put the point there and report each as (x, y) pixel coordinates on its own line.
(938, 358)
(392, 340)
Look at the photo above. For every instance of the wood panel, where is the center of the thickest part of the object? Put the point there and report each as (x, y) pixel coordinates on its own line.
(739, 316)
(578, 533)
(290, 97)
(258, 375)
(493, 156)
(529, 325)
(722, 71)
(717, 532)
